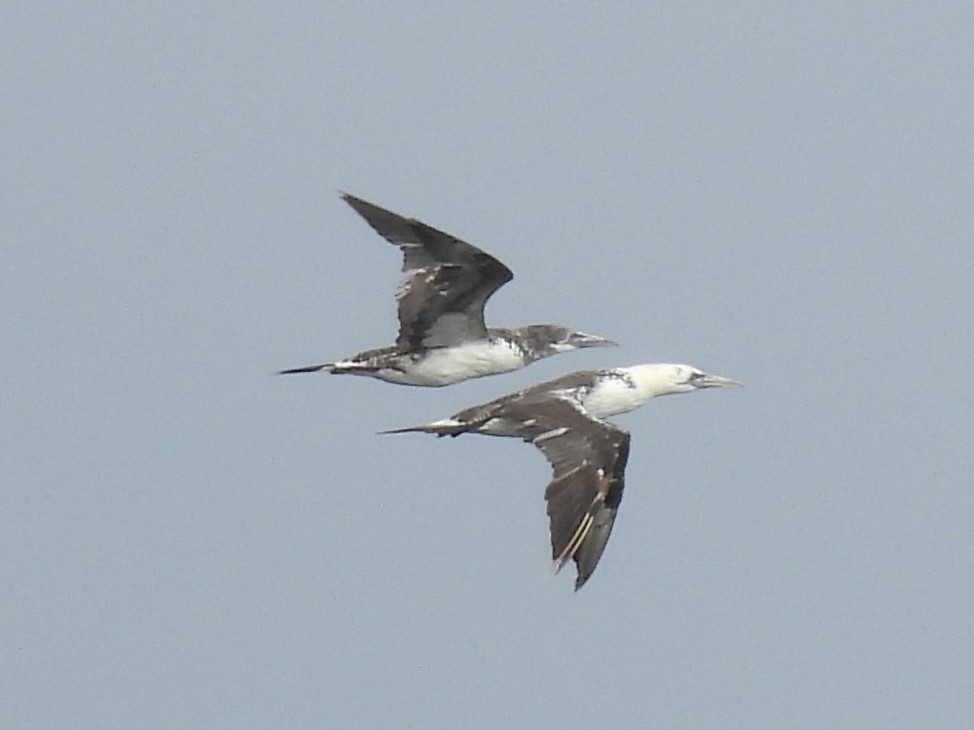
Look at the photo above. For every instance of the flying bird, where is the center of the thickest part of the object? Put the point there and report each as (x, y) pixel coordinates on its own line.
(565, 419)
(442, 336)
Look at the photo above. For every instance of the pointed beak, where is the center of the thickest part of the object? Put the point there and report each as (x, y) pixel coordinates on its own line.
(714, 381)
(580, 339)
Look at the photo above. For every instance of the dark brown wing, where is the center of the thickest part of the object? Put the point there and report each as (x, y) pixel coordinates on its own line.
(442, 302)
(588, 460)
(500, 407)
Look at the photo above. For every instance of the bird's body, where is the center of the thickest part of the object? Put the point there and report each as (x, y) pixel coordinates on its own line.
(442, 335)
(565, 418)
(599, 393)
(437, 366)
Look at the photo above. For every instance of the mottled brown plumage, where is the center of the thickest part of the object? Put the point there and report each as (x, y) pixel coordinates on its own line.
(442, 335)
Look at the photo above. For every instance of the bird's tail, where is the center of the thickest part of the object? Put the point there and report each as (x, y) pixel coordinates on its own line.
(344, 367)
(446, 427)
(328, 367)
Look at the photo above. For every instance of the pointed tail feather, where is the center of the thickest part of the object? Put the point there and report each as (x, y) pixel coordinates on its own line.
(326, 366)
(446, 427)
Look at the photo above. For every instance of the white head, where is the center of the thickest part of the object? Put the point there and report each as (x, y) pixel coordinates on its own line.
(666, 378)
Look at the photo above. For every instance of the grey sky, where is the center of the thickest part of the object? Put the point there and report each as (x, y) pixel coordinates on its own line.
(780, 196)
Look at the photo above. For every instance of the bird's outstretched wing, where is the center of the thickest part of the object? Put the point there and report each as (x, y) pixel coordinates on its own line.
(448, 282)
(588, 461)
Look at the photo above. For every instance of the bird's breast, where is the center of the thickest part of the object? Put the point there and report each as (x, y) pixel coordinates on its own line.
(448, 365)
(611, 397)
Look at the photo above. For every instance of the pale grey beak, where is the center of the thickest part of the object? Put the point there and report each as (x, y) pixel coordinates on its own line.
(580, 339)
(713, 381)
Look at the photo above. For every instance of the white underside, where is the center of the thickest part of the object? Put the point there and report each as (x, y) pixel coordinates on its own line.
(447, 366)
(612, 397)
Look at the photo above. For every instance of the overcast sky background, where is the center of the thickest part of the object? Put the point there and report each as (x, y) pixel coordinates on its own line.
(783, 196)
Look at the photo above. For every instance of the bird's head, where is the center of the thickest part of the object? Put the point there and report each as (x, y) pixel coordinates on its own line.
(550, 339)
(667, 378)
